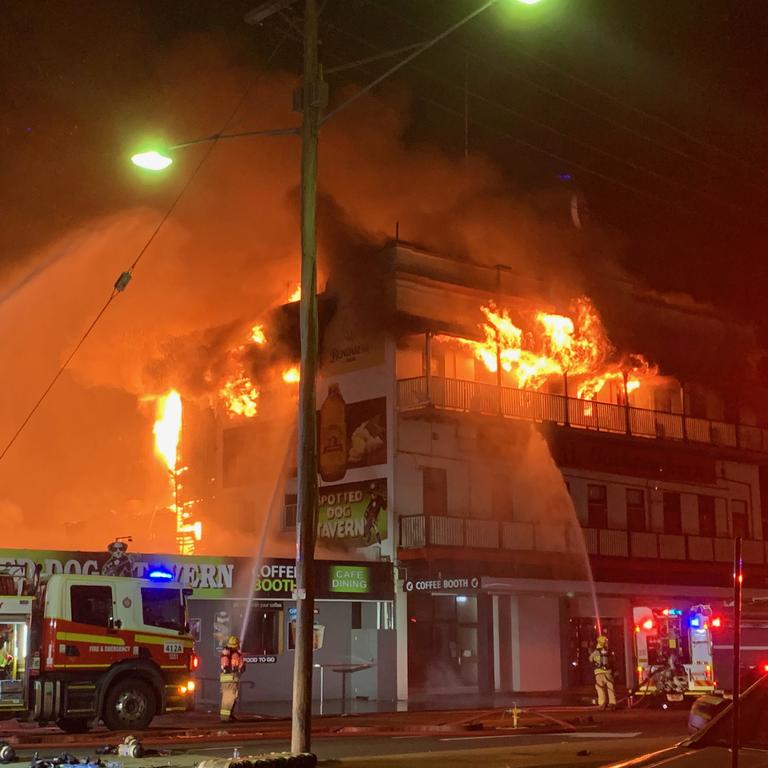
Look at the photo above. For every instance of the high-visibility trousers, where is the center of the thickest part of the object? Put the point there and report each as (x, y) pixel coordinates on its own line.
(230, 690)
(603, 686)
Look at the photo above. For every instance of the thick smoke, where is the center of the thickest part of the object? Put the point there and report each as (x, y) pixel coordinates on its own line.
(84, 469)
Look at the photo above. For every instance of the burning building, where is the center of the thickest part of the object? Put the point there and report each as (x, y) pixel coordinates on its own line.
(533, 477)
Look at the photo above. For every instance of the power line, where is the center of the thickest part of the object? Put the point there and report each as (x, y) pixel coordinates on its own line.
(586, 145)
(588, 110)
(122, 281)
(537, 148)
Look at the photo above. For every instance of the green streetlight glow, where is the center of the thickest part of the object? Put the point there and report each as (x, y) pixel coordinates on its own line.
(152, 161)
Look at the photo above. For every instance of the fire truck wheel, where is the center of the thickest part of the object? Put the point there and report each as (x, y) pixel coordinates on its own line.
(130, 704)
(73, 724)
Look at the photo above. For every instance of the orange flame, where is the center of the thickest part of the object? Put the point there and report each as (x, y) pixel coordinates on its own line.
(167, 428)
(240, 395)
(296, 295)
(167, 432)
(257, 335)
(291, 375)
(555, 345)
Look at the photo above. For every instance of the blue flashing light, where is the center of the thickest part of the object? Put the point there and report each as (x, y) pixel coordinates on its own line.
(675, 612)
(695, 622)
(158, 574)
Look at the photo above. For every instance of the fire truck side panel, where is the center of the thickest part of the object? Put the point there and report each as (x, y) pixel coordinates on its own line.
(98, 631)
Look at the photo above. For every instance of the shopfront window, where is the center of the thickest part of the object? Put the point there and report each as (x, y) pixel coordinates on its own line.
(443, 641)
(262, 635)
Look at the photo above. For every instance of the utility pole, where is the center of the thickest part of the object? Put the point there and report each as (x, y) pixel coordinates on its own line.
(306, 519)
(738, 579)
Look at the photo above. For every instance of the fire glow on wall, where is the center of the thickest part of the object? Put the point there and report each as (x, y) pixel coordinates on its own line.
(167, 431)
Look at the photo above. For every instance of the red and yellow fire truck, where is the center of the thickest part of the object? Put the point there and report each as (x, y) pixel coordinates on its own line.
(77, 649)
(673, 651)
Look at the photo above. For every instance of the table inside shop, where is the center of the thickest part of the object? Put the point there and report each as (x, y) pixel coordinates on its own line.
(345, 670)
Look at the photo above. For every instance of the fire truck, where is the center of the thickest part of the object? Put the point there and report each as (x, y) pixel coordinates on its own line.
(78, 649)
(673, 651)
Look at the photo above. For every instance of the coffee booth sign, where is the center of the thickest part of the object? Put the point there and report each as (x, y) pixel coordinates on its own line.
(438, 585)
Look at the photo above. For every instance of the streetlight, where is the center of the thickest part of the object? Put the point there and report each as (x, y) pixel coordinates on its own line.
(313, 100)
(152, 160)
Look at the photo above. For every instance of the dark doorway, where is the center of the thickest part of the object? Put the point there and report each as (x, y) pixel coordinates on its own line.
(443, 653)
(582, 637)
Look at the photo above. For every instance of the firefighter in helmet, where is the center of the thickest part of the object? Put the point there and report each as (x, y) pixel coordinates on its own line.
(603, 662)
(232, 667)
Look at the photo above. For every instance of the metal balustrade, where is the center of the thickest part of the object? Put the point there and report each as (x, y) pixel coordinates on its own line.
(490, 399)
(418, 531)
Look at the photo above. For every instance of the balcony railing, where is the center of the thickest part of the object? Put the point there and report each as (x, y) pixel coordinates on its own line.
(476, 397)
(419, 531)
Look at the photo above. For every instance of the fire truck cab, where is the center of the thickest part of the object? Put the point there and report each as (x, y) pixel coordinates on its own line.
(79, 649)
(673, 650)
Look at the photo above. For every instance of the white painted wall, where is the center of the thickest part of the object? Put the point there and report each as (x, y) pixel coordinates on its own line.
(536, 651)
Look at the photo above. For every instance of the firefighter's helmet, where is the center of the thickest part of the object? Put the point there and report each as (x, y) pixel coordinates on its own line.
(602, 641)
(233, 642)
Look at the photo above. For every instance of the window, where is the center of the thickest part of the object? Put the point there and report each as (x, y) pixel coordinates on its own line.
(707, 525)
(636, 520)
(163, 608)
(90, 604)
(673, 516)
(597, 506)
(435, 491)
(289, 511)
(501, 498)
(740, 519)
(262, 635)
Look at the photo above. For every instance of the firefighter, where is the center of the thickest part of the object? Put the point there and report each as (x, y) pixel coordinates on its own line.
(232, 668)
(6, 657)
(603, 663)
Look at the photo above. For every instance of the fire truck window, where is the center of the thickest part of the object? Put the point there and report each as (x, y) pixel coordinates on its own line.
(162, 608)
(262, 635)
(90, 604)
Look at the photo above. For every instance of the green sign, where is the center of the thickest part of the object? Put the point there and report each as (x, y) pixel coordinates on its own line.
(349, 578)
(354, 513)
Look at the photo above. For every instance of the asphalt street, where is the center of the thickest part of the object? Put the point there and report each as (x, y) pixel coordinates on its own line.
(618, 738)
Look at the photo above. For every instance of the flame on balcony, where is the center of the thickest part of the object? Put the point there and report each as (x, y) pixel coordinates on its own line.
(575, 346)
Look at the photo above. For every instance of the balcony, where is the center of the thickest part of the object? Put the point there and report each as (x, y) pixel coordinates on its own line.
(490, 399)
(420, 531)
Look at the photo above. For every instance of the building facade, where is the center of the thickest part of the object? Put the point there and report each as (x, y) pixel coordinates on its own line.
(524, 520)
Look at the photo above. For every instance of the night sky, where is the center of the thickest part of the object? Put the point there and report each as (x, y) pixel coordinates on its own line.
(655, 109)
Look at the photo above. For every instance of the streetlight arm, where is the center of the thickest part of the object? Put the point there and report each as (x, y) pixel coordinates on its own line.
(217, 136)
(423, 47)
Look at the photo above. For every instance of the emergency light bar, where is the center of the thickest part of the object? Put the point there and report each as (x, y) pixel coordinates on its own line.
(158, 574)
